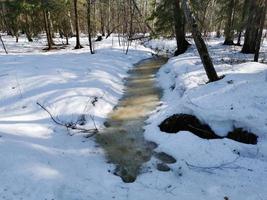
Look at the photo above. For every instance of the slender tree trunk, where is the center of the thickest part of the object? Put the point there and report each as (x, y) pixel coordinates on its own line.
(78, 44)
(71, 26)
(200, 44)
(179, 25)
(50, 26)
(89, 25)
(243, 21)
(229, 32)
(140, 14)
(27, 29)
(17, 37)
(3, 44)
(102, 21)
(218, 32)
(49, 42)
(259, 36)
(130, 34)
(67, 39)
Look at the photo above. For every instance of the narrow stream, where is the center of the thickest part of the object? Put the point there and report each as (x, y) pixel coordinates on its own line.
(123, 139)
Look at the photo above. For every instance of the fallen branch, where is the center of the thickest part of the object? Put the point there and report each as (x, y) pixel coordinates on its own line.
(72, 126)
(209, 169)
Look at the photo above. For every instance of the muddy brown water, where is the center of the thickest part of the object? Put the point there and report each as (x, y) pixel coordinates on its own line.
(123, 139)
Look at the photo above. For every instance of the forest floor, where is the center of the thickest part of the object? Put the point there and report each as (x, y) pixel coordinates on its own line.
(41, 160)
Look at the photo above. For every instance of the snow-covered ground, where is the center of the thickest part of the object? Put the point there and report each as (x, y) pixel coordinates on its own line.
(40, 160)
(214, 169)
(162, 46)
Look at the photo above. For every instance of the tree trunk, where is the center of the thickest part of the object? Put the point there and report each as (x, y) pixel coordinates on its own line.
(89, 25)
(243, 21)
(218, 32)
(259, 36)
(252, 27)
(102, 21)
(48, 36)
(3, 44)
(50, 26)
(27, 29)
(78, 44)
(228, 31)
(179, 24)
(71, 26)
(140, 14)
(200, 44)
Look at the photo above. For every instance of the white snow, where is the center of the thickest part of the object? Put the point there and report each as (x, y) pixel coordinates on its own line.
(40, 160)
(214, 169)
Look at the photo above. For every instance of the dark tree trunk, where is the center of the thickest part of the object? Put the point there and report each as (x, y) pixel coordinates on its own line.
(89, 25)
(200, 44)
(3, 44)
(47, 31)
(67, 39)
(243, 21)
(228, 31)
(78, 44)
(252, 27)
(179, 24)
(27, 29)
(259, 36)
(17, 37)
(102, 21)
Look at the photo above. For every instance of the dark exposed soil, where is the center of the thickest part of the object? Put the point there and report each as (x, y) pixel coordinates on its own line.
(185, 122)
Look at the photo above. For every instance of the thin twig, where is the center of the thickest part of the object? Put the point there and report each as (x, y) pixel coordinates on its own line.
(70, 125)
(221, 166)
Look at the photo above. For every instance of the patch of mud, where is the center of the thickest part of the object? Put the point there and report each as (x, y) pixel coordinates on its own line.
(185, 122)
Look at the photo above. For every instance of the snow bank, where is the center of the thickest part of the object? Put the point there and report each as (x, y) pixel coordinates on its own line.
(162, 45)
(214, 169)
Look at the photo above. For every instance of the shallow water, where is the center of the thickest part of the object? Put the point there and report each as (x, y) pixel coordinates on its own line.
(123, 139)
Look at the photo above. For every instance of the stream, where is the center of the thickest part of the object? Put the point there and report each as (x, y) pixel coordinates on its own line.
(123, 139)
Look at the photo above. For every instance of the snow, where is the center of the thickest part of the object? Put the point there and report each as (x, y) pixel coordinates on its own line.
(162, 45)
(214, 169)
(41, 160)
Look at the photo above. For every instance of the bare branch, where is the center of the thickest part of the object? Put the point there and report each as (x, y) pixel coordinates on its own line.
(72, 126)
